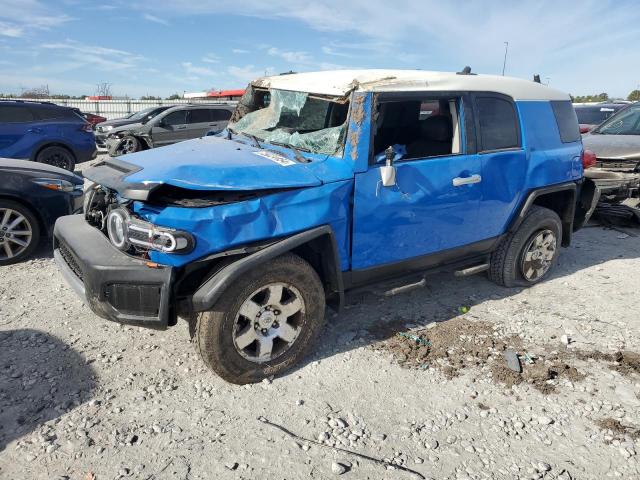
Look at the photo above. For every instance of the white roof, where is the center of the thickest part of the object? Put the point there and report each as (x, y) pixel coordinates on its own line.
(342, 82)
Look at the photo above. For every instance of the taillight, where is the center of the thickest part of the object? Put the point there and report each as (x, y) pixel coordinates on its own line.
(588, 159)
(87, 127)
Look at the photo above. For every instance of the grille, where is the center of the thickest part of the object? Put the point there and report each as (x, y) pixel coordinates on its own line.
(69, 259)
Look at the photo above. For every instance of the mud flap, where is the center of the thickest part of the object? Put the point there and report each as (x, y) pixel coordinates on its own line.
(587, 200)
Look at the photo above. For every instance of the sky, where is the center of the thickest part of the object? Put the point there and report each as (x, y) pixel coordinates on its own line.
(166, 47)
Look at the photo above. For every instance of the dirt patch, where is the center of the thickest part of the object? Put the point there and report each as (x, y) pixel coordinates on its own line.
(624, 362)
(458, 344)
(538, 374)
(618, 428)
(449, 346)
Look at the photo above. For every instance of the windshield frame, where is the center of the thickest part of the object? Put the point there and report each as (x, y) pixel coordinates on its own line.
(248, 105)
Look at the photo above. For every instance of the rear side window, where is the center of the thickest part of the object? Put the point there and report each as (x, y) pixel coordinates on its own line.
(199, 116)
(498, 123)
(567, 121)
(52, 113)
(220, 114)
(15, 114)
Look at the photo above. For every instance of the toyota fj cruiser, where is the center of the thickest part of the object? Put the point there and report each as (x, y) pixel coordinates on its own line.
(323, 182)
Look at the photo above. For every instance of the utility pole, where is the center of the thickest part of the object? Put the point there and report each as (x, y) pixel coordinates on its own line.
(504, 63)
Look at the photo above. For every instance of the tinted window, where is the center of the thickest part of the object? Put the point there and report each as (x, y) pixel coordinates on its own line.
(15, 114)
(498, 123)
(199, 116)
(220, 114)
(567, 121)
(594, 115)
(176, 118)
(52, 113)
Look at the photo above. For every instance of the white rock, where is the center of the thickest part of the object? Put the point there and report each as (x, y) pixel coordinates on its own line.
(338, 468)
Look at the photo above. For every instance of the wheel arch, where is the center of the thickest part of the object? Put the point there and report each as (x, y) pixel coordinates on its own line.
(54, 143)
(558, 198)
(316, 246)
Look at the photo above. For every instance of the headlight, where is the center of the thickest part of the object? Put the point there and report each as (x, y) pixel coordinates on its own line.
(125, 231)
(56, 184)
(117, 228)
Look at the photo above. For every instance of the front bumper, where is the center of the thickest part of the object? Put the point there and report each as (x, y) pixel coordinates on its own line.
(116, 287)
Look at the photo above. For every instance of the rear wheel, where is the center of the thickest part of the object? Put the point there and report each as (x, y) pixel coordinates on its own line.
(57, 156)
(265, 323)
(527, 255)
(19, 232)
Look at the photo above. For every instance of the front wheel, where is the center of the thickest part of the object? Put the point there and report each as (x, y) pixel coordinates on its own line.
(19, 232)
(265, 323)
(526, 256)
(128, 144)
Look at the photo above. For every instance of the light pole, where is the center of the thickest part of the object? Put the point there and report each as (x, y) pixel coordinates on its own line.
(504, 63)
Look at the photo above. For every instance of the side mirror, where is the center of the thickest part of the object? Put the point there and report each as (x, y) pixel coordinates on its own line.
(388, 171)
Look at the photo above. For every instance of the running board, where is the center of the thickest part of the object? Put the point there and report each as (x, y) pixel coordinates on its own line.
(406, 288)
(465, 272)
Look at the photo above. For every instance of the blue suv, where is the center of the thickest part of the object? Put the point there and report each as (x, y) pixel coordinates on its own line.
(323, 182)
(45, 133)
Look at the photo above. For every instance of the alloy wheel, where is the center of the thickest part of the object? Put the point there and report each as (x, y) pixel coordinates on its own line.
(538, 255)
(268, 322)
(16, 233)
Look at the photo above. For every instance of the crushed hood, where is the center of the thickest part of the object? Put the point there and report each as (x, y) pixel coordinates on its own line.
(208, 163)
(614, 147)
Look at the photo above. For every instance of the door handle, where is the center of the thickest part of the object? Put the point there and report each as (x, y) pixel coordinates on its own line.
(459, 181)
(181, 127)
(35, 130)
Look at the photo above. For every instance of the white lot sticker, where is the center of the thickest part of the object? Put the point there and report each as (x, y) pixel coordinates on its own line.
(275, 157)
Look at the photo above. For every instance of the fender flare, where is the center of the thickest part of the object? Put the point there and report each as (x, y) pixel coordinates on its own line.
(567, 217)
(211, 290)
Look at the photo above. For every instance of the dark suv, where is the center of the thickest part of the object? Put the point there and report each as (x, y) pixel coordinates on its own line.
(45, 133)
(178, 123)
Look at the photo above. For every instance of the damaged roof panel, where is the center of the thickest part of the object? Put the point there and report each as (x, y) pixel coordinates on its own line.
(342, 82)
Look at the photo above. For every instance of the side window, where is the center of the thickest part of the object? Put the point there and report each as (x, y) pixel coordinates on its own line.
(220, 115)
(15, 114)
(200, 115)
(418, 128)
(176, 118)
(567, 121)
(498, 124)
(52, 113)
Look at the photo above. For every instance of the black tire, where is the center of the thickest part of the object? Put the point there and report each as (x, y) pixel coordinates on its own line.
(58, 157)
(509, 260)
(11, 252)
(128, 144)
(216, 331)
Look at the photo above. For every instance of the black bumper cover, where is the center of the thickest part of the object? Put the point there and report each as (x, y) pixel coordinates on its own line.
(116, 286)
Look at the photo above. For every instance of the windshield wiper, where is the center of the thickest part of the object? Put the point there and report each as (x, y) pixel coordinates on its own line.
(296, 151)
(230, 132)
(256, 142)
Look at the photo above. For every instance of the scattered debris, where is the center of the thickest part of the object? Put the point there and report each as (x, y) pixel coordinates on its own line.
(513, 362)
(623, 362)
(565, 339)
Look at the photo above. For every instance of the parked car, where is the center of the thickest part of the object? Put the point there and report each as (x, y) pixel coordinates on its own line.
(616, 143)
(592, 115)
(32, 197)
(143, 116)
(175, 124)
(323, 182)
(92, 118)
(45, 133)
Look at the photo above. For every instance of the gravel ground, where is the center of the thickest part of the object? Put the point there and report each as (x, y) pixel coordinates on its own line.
(82, 398)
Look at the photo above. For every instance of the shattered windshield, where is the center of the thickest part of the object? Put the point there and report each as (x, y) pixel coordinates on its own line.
(296, 119)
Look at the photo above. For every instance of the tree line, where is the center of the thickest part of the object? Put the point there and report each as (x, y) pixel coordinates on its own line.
(634, 96)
